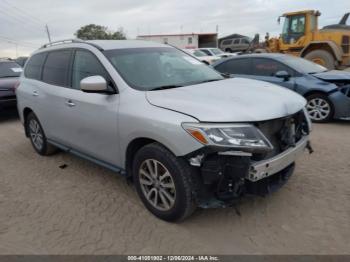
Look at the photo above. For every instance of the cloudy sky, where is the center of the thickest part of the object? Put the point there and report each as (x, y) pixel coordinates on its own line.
(22, 22)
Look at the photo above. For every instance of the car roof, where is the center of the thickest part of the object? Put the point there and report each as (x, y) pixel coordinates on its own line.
(122, 44)
(99, 44)
(275, 56)
(263, 55)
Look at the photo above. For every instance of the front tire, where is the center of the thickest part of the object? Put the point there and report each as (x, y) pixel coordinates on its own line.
(37, 136)
(163, 183)
(319, 108)
(322, 57)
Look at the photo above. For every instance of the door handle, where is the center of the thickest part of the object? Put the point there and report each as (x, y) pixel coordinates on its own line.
(35, 93)
(70, 103)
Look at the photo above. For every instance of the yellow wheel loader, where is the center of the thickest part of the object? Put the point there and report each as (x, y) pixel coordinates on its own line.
(329, 46)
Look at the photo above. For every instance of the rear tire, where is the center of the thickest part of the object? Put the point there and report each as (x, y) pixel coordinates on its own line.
(322, 57)
(319, 108)
(163, 182)
(37, 136)
(228, 50)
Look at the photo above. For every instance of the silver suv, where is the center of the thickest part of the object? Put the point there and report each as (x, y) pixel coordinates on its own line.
(235, 44)
(186, 136)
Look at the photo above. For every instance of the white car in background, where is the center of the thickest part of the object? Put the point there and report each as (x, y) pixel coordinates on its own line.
(216, 52)
(202, 56)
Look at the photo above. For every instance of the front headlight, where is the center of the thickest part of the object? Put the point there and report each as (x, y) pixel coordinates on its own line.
(240, 136)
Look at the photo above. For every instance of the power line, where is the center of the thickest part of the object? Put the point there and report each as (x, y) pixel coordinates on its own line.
(21, 43)
(24, 13)
(18, 18)
(22, 23)
(24, 17)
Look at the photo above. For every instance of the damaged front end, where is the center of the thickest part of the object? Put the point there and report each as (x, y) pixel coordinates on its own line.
(253, 168)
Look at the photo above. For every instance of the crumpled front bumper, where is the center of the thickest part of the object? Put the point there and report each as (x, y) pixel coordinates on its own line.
(271, 166)
(341, 104)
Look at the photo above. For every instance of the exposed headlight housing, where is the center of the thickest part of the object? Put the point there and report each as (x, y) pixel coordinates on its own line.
(308, 120)
(244, 137)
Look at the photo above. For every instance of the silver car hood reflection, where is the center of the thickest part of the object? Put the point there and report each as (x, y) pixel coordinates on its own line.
(230, 100)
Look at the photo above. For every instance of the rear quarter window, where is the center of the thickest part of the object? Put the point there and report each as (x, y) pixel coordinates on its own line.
(235, 66)
(227, 42)
(34, 65)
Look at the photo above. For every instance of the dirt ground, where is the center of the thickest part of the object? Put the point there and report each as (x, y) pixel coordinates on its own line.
(86, 209)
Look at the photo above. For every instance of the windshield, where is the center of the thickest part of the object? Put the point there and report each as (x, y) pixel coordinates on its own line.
(151, 68)
(199, 53)
(303, 66)
(216, 51)
(9, 69)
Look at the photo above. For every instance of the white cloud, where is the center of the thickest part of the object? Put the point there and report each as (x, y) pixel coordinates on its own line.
(64, 17)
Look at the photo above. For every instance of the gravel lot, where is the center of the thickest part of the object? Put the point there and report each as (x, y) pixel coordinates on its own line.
(86, 209)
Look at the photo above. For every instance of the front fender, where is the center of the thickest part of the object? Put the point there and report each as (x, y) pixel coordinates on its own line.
(305, 86)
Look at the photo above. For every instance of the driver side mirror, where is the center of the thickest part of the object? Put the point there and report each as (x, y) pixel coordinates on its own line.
(283, 74)
(93, 84)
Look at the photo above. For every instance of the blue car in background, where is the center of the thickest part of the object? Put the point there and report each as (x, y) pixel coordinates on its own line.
(327, 92)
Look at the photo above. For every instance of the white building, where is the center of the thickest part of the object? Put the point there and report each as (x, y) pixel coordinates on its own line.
(194, 40)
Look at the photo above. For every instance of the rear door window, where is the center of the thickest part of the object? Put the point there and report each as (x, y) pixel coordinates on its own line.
(235, 66)
(268, 67)
(86, 64)
(34, 65)
(227, 42)
(56, 68)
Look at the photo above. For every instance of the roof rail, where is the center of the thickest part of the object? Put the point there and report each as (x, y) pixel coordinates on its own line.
(65, 41)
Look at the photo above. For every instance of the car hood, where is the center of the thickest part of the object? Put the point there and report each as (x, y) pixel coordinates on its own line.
(333, 75)
(229, 100)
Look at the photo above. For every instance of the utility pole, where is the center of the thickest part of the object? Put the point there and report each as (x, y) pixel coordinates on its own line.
(16, 50)
(48, 33)
(217, 36)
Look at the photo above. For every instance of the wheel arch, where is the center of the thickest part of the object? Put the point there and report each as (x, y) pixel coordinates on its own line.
(329, 46)
(133, 147)
(318, 91)
(26, 112)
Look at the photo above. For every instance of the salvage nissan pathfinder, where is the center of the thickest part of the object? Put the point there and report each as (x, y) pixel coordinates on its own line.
(186, 136)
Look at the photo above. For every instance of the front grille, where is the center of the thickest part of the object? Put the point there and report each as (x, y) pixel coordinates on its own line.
(283, 133)
(4, 98)
(345, 43)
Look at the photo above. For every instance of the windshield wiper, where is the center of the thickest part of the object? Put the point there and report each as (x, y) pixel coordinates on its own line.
(312, 73)
(207, 81)
(165, 87)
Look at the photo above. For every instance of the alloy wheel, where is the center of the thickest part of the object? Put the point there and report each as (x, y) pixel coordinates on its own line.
(157, 184)
(318, 109)
(36, 134)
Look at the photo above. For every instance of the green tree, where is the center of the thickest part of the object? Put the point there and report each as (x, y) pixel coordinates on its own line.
(94, 32)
